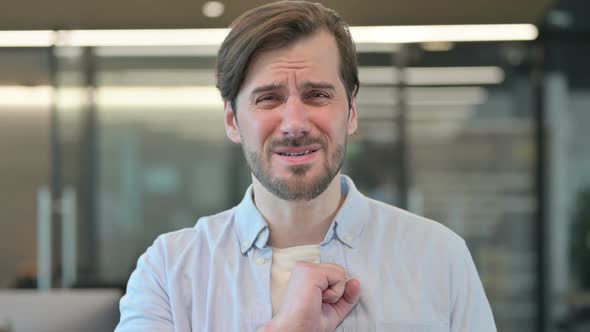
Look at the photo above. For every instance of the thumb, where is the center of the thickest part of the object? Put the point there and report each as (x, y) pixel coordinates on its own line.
(352, 292)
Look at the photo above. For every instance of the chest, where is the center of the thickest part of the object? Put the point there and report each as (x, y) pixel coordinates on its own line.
(234, 294)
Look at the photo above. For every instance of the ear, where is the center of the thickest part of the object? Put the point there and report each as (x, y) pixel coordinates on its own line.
(231, 123)
(352, 117)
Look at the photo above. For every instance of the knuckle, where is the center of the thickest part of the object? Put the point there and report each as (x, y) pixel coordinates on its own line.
(339, 270)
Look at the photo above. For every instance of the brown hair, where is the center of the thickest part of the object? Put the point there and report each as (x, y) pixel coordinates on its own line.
(277, 25)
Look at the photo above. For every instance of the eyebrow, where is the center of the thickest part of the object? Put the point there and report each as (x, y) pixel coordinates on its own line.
(267, 87)
(305, 86)
(317, 85)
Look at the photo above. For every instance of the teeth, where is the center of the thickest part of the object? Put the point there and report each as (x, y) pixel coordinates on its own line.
(296, 154)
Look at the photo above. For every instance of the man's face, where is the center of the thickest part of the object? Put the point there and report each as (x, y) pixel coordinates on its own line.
(293, 117)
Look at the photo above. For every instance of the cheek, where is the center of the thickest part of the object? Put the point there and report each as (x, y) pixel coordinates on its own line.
(257, 131)
(335, 128)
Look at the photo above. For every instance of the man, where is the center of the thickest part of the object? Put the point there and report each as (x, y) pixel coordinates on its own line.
(304, 250)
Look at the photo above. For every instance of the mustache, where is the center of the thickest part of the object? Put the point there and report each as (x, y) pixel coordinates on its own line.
(296, 142)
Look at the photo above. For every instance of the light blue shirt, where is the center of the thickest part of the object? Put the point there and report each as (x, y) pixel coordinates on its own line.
(415, 274)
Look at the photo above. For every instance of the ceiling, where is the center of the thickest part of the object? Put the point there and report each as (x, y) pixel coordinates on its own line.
(168, 14)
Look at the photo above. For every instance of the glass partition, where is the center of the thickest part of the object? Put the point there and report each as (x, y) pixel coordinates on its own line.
(25, 102)
(449, 134)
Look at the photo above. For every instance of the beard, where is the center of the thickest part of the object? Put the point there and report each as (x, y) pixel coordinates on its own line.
(296, 187)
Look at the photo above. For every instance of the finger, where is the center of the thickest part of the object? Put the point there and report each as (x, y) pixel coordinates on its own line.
(349, 298)
(333, 273)
(323, 275)
(333, 293)
(352, 291)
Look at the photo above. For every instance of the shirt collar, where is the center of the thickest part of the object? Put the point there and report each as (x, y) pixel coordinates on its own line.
(347, 226)
(352, 216)
(250, 225)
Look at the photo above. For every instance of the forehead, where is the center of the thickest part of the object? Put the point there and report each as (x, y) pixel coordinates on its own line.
(315, 56)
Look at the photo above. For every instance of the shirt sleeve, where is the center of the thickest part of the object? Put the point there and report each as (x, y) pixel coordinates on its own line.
(146, 305)
(470, 310)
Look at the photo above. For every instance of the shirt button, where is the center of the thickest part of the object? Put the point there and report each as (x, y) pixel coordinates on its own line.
(348, 238)
(260, 260)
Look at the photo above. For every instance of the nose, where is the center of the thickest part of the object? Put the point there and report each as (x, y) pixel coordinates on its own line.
(295, 121)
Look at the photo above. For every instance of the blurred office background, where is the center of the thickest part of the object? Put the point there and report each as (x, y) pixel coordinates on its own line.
(102, 148)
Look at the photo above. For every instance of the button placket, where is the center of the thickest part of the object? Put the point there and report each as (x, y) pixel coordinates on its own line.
(260, 263)
(334, 252)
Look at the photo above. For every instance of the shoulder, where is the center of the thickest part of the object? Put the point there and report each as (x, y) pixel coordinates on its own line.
(428, 249)
(412, 230)
(207, 230)
(406, 221)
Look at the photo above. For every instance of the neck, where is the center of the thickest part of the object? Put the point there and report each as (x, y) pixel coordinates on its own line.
(296, 223)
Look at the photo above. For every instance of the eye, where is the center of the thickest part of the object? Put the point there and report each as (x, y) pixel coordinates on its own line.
(318, 94)
(318, 97)
(266, 98)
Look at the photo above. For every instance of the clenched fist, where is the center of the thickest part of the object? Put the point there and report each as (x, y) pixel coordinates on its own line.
(318, 298)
